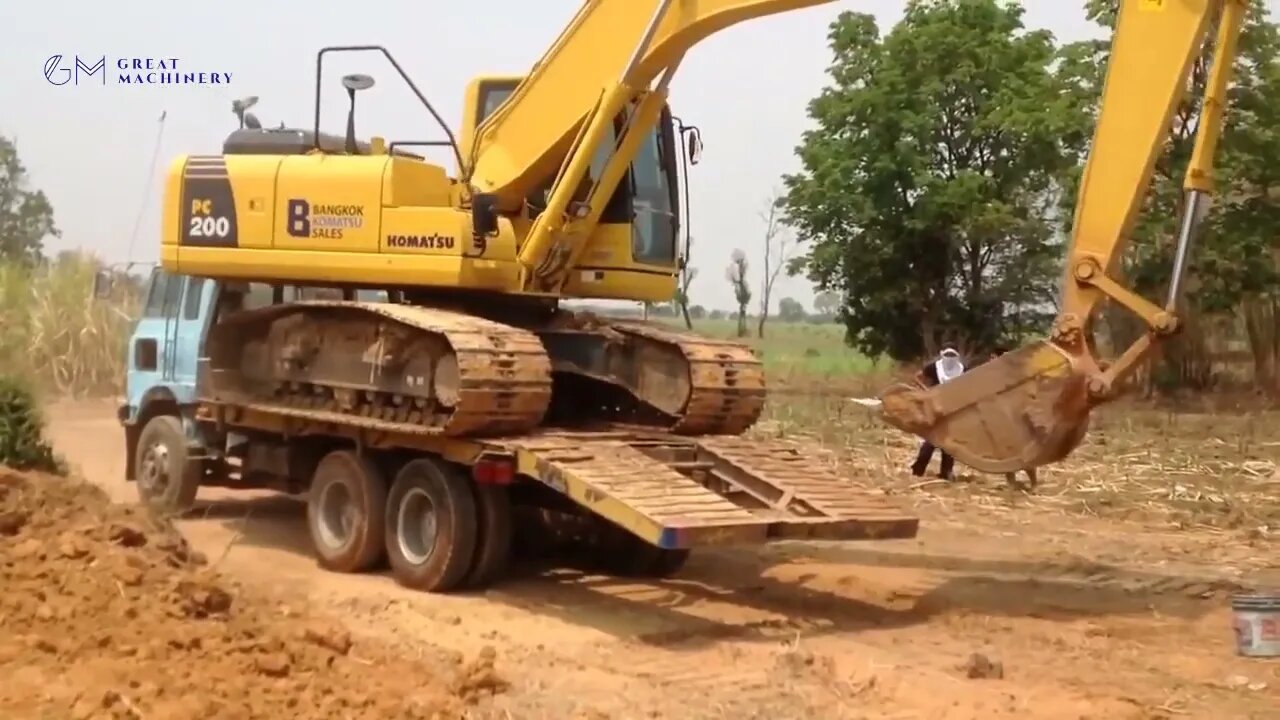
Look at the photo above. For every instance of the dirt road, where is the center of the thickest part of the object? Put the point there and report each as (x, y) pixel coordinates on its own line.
(989, 613)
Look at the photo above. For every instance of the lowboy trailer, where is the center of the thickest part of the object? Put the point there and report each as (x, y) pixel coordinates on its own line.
(446, 512)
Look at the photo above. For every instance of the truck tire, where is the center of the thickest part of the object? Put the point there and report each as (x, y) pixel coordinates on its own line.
(431, 526)
(668, 563)
(493, 539)
(346, 509)
(625, 555)
(166, 480)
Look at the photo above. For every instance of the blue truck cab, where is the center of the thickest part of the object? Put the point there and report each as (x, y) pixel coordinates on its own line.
(168, 455)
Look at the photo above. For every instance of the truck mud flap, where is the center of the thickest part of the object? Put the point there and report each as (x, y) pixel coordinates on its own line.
(682, 492)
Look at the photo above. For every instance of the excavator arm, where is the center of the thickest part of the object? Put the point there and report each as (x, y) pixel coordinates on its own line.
(1031, 407)
(605, 63)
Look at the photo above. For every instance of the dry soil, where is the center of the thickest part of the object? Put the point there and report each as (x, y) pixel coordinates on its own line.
(1004, 610)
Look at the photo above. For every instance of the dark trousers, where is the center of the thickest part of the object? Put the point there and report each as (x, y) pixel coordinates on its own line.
(925, 455)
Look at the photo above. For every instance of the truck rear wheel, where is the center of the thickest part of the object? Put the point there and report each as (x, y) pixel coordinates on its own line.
(431, 526)
(165, 479)
(346, 509)
(493, 541)
(624, 554)
(668, 563)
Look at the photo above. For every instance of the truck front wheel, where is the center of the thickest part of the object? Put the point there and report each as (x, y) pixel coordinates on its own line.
(431, 526)
(165, 479)
(345, 512)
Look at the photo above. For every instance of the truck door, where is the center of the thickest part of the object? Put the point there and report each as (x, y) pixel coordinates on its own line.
(166, 341)
(149, 348)
(187, 323)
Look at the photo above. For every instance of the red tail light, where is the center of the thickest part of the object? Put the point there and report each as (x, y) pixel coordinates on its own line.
(493, 471)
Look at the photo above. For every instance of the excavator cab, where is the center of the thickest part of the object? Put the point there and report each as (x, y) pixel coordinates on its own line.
(640, 224)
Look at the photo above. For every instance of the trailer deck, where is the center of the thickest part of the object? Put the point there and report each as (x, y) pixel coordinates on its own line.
(684, 492)
(674, 491)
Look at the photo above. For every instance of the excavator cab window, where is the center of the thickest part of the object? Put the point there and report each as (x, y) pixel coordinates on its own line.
(656, 223)
(646, 198)
(492, 94)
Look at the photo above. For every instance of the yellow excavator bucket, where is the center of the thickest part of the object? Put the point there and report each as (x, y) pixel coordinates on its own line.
(1027, 408)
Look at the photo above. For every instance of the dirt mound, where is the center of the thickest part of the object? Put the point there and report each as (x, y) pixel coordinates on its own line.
(106, 612)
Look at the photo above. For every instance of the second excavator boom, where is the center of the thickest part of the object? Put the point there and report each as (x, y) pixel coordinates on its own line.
(1031, 407)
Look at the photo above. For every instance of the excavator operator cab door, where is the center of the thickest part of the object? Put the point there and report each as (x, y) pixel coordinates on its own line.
(655, 191)
(648, 195)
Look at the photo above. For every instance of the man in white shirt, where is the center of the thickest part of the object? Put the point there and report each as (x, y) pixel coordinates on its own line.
(948, 366)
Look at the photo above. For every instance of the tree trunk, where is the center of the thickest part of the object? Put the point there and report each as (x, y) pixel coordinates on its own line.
(1256, 327)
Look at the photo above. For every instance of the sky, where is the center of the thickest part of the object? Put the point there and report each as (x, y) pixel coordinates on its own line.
(90, 148)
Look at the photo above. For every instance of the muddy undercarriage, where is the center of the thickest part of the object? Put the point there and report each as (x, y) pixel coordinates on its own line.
(464, 375)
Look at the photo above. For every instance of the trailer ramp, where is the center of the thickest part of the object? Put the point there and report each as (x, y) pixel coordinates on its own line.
(685, 492)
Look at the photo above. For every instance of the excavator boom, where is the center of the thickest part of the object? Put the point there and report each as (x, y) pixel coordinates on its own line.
(607, 44)
(601, 66)
(1030, 407)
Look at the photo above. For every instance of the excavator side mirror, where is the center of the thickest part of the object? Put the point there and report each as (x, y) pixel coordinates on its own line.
(695, 148)
(353, 83)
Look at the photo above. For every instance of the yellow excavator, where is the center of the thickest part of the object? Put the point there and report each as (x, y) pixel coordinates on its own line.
(566, 186)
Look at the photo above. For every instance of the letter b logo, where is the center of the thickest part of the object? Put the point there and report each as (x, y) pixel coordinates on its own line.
(299, 220)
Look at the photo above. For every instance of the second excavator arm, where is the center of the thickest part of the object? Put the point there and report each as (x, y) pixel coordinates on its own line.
(1030, 407)
(603, 64)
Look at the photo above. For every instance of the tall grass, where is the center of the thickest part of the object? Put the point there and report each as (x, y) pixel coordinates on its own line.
(55, 335)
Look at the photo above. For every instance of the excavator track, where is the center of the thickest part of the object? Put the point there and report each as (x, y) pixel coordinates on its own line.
(446, 372)
(726, 381)
(697, 385)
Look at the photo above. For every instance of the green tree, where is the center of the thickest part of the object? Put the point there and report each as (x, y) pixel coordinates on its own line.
(22, 442)
(826, 303)
(790, 310)
(26, 217)
(929, 185)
